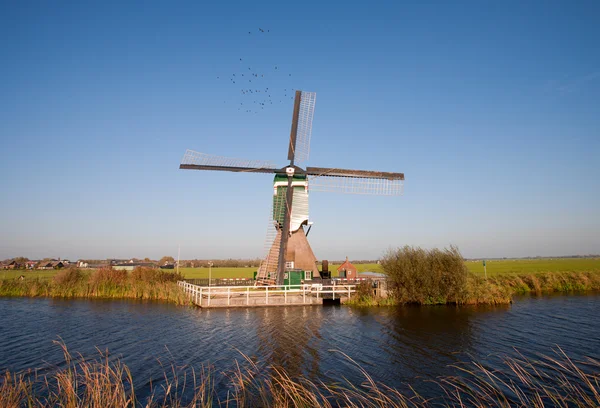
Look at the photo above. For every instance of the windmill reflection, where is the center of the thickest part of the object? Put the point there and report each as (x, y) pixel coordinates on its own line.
(289, 337)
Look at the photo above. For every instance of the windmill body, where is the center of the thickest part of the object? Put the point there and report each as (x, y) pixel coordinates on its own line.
(287, 243)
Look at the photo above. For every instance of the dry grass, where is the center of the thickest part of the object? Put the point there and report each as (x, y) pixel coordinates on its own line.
(103, 283)
(556, 381)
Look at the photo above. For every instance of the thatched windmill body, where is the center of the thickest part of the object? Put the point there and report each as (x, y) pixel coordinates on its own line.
(287, 242)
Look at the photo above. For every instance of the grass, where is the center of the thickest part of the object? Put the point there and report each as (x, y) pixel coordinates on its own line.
(103, 283)
(556, 380)
(529, 266)
(217, 273)
(505, 279)
(494, 267)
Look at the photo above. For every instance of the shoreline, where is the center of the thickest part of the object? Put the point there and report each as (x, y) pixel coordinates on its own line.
(151, 284)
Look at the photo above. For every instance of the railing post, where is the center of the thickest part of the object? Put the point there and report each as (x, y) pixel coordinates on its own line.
(348, 291)
(248, 296)
(228, 295)
(333, 290)
(285, 295)
(200, 295)
(209, 296)
(303, 294)
(267, 296)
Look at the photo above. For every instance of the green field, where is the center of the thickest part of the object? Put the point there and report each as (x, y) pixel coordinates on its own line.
(532, 266)
(11, 274)
(494, 267)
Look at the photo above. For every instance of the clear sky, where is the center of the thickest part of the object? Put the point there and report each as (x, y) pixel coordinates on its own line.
(491, 109)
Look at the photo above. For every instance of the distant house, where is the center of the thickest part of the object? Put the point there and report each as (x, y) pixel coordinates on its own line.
(31, 264)
(168, 265)
(130, 266)
(347, 270)
(52, 264)
(9, 264)
(45, 265)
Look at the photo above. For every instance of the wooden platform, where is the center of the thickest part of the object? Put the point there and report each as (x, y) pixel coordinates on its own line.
(264, 296)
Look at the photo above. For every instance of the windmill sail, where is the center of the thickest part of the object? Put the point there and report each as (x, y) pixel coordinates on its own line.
(200, 161)
(355, 181)
(304, 109)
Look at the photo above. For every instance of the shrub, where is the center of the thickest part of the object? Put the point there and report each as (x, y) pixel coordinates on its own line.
(106, 276)
(426, 277)
(68, 277)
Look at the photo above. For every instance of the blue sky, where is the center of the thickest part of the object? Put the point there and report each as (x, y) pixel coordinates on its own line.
(492, 111)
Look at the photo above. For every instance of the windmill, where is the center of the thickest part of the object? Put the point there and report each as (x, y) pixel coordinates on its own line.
(287, 243)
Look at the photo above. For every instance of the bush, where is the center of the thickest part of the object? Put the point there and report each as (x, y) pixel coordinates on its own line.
(68, 277)
(426, 277)
(107, 276)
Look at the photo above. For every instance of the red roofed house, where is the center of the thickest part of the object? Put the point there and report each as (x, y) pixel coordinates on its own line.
(347, 270)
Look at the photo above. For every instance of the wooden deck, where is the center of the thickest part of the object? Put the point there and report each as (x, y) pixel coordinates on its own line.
(264, 296)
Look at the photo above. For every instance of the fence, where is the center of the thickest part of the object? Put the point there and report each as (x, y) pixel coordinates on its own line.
(232, 296)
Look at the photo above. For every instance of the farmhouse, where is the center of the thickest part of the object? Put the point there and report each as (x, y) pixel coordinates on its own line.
(131, 265)
(347, 270)
(9, 264)
(51, 264)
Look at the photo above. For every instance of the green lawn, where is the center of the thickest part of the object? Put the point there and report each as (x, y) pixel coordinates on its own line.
(11, 274)
(529, 266)
(199, 273)
(504, 267)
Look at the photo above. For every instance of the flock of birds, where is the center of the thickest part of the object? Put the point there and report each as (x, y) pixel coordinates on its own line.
(255, 93)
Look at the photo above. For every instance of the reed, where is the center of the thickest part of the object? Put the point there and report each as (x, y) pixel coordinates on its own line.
(549, 381)
(103, 283)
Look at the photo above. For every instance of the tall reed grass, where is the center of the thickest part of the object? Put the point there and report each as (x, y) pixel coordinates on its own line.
(105, 283)
(551, 381)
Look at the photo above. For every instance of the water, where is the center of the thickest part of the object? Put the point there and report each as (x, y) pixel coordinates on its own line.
(394, 345)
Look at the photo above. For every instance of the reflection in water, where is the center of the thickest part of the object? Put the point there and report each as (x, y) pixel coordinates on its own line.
(289, 337)
(394, 345)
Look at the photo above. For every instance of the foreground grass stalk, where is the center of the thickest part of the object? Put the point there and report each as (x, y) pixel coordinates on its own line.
(550, 381)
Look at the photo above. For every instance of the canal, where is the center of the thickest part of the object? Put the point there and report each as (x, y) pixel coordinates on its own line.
(394, 345)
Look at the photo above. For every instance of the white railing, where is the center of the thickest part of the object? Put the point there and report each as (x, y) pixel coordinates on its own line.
(203, 295)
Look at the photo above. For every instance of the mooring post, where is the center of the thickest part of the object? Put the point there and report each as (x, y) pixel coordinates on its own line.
(247, 295)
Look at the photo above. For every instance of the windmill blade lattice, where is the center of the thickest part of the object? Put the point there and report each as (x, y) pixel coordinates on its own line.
(201, 161)
(305, 120)
(353, 185)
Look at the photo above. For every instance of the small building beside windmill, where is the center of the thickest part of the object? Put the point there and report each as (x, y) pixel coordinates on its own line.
(347, 270)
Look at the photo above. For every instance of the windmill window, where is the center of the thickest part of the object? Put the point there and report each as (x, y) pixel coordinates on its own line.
(289, 265)
(307, 275)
